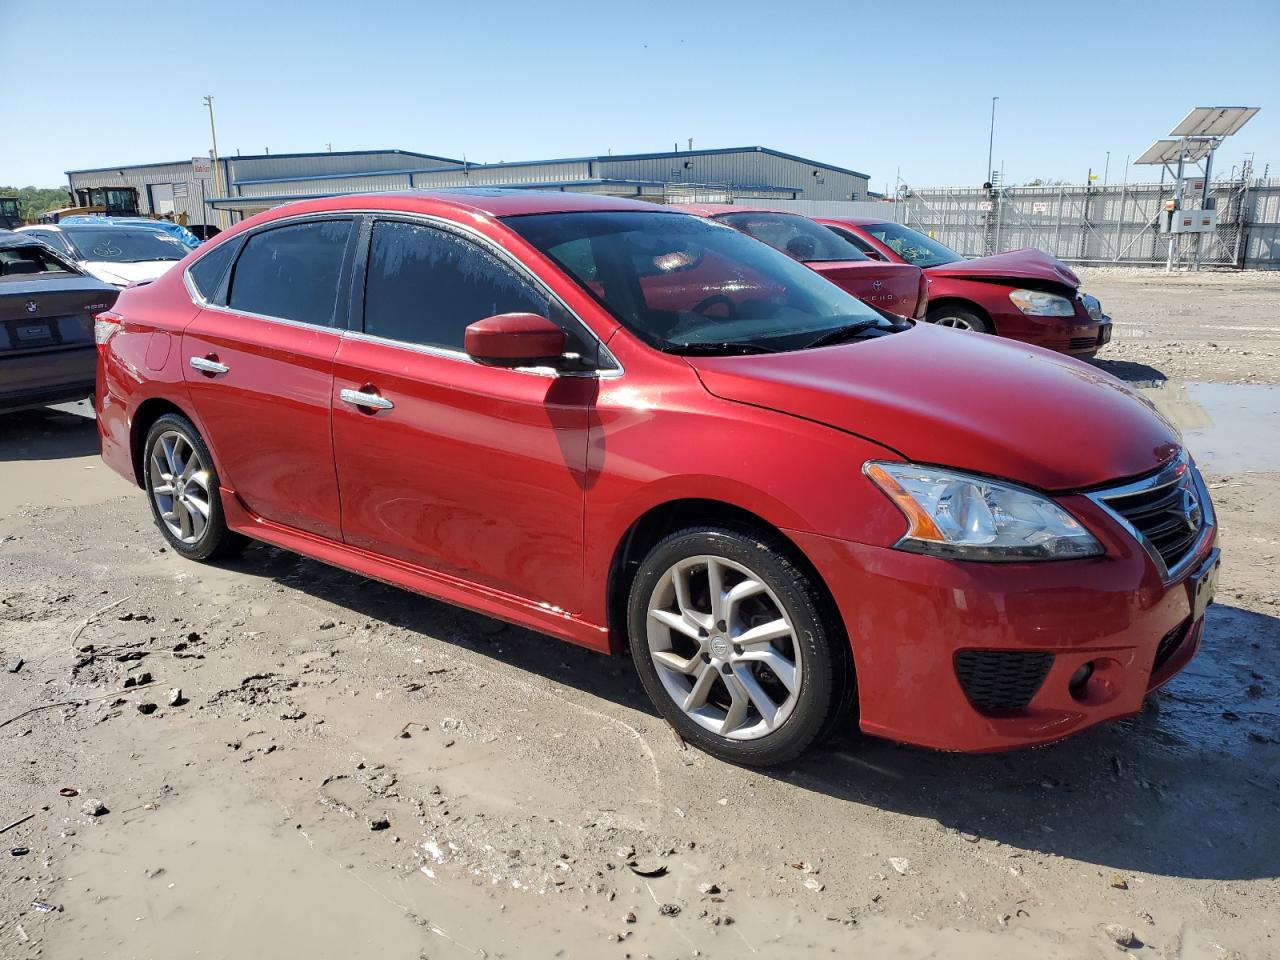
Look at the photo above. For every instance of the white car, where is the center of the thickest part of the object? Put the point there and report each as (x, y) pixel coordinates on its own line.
(114, 254)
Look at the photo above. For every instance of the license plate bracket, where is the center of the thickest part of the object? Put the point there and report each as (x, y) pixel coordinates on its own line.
(1202, 585)
(33, 332)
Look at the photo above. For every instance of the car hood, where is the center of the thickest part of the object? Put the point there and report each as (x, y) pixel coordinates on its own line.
(961, 400)
(113, 272)
(1027, 264)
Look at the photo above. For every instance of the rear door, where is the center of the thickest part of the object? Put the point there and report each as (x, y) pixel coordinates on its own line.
(258, 361)
(473, 471)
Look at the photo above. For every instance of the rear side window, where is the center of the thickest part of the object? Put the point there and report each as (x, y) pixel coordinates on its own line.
(425, 286)
(206, 273)
(291, 272)
(23, 262)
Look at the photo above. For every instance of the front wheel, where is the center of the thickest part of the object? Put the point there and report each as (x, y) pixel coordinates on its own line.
(182, 485)
(959, 318)
(728, 636)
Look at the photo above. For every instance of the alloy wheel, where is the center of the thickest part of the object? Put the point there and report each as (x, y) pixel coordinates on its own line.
(956, 323)
(180, 486)
(724, 647)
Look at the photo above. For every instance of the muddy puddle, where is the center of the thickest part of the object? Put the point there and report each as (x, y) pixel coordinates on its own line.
(1229, 427)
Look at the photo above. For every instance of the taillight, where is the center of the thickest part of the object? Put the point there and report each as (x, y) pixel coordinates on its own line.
(105, 326)
(922, 302)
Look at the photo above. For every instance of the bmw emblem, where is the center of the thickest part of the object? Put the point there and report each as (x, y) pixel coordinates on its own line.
(877, 284)
(1191, 511)
(32, 307)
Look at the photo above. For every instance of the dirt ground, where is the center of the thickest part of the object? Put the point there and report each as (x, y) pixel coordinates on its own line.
(353, 771)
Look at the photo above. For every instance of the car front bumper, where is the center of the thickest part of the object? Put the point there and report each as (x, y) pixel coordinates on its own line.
(54, 376)
(913, 620)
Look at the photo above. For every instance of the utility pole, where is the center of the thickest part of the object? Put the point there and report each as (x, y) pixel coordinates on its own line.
(217, 170)
(991, 139)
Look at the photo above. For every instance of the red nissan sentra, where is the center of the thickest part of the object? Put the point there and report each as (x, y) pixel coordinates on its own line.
(1025, 295)
(899, 288)
(780, 502)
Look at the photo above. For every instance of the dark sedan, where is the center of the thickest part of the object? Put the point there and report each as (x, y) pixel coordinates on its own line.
(47, 304)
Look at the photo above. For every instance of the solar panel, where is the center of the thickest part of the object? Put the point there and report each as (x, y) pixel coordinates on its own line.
(1213, 121)
(1166, 151)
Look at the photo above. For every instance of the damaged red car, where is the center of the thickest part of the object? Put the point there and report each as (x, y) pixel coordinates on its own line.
(899, 288)
(1025, 295)
(642, 432)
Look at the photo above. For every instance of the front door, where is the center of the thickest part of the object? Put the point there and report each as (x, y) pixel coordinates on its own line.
(259, 368)
(473, 471)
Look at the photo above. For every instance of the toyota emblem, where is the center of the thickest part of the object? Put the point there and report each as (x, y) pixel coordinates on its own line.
(31, 306)
(877, 284)
(1191, 511)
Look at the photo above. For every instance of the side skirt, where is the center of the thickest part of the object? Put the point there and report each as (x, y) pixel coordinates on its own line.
(407, 576)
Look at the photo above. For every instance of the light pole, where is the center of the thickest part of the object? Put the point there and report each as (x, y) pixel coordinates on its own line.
(217, 172)
(991, 139)
(1106, 169)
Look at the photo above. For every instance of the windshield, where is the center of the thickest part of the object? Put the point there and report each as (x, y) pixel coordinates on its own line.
(911, 245)
(687, 285)
(797, 237)
(124, 244)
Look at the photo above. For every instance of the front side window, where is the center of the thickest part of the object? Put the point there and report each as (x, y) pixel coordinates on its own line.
(123, 244)
(687, 285)
(912, 245)
(291, 272)
(425, 286)
(797, 237)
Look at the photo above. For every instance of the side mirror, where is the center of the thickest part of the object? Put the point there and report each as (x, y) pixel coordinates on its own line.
(514, 340)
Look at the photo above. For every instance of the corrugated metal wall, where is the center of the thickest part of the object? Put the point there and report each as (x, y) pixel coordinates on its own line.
(305, 188)
(827, 208)
(189, 193)
(482, 176)
(262, 168)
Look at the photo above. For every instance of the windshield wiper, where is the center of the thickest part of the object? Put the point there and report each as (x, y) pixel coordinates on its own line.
(848, 332)
(715, 349)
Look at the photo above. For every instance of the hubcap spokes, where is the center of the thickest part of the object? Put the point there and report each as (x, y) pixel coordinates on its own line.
(724, 647)
(180, 486)
(957, 323)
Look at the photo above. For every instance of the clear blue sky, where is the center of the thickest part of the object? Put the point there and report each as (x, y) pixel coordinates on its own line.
(876, 87)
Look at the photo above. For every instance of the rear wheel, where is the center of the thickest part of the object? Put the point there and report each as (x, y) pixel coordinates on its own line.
(959, 318)
(729, 639)
(183, 488)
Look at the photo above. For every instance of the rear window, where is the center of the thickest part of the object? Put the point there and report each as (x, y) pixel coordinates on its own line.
(797, 237)
(206, 273)
(21, 263)
(291, 272)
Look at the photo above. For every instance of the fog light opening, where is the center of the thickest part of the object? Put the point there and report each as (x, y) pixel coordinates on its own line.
(1079, 683)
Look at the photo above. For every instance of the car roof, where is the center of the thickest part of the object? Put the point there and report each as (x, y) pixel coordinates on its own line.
(719, 209)
(494, 202)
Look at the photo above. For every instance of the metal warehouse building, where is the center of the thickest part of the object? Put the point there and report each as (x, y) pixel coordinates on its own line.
(245, 185)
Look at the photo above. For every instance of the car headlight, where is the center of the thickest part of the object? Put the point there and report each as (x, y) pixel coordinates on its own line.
(966, 517)
(1092, 305)
(1037, 303)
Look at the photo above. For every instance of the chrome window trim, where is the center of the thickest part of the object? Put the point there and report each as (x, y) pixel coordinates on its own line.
(612, 372)
(1166, 476)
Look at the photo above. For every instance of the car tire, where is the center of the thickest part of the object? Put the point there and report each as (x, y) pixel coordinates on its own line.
(744, 699)
(183, 489)
(959, 318)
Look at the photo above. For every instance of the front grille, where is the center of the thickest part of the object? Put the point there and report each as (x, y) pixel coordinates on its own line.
(999, 680)
(1084, 343)
(1168, 516)
(1168, 645)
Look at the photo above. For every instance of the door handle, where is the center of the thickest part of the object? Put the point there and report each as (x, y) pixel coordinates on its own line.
(371, 401)
(207, 365)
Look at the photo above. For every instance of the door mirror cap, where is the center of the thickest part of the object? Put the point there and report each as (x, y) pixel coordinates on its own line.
(514, 340)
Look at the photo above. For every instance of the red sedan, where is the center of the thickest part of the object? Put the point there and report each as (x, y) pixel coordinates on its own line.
(750, 484)
(1025, 295)
(894, 287)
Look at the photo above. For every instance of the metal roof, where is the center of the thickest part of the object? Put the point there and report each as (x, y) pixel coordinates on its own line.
(270, 156)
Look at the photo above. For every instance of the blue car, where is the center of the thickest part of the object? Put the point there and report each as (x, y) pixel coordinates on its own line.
(189, 239)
